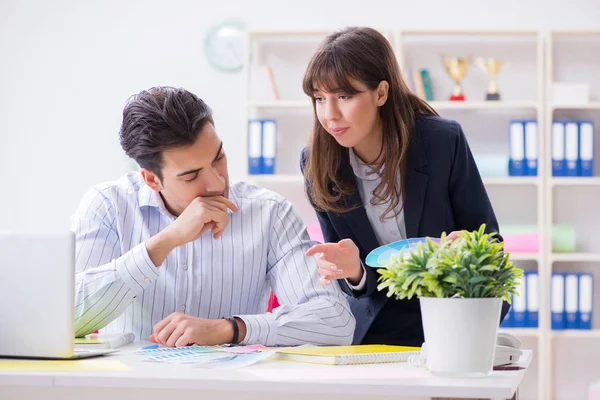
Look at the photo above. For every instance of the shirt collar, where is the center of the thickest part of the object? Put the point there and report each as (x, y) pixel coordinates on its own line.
(150, 198)
(360, 169)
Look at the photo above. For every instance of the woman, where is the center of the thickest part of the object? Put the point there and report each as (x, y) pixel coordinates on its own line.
(381, 166)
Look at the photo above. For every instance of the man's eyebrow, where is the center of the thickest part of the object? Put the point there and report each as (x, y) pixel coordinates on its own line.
(193, 171)
(218, 152)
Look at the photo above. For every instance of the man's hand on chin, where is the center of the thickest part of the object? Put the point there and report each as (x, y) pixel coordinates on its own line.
(179, 330)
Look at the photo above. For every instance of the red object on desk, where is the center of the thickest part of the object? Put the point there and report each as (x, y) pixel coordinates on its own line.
(273, 302)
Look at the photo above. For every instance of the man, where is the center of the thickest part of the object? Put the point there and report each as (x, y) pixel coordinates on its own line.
(175, 254)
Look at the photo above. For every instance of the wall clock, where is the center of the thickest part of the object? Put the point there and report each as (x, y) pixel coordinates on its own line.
(224, 46)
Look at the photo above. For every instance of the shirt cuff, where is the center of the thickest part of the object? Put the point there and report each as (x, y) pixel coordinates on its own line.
(260, 328)
(136, 269)
(362, 283)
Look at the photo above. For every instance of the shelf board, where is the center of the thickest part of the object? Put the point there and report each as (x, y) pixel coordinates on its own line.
(524, 256)
(588, 32)
(576, 334)
(282, 104)
(576, 181)
(277, 178)
(488, 181)
(523, 332)
(482, 105)
(438, 105)
(491, 32)
(512, 180)
(594, 105)
(575, 257)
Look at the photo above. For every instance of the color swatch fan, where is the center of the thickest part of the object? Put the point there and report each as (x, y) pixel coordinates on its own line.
(381, 256)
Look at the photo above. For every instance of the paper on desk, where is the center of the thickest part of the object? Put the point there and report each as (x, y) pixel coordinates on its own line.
(62, 365)
(252, 348)
(236, 360)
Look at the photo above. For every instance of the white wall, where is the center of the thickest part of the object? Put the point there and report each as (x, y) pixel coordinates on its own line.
(67, 67)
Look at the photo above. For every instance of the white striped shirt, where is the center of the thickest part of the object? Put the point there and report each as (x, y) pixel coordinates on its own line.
(262, 248)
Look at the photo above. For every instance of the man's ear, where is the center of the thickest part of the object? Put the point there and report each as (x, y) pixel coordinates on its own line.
(382, 93)
(151, 180)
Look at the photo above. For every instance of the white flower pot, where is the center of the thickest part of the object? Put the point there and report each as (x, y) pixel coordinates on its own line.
(460, 335)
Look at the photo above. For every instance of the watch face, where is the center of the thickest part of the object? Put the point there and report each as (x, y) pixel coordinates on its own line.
(224, 47)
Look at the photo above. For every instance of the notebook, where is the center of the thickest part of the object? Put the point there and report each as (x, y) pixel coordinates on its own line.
(348, 355)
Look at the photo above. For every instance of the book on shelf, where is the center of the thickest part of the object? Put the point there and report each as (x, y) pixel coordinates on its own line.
(572, 148)
(419, 82)
(262, 146)
(426, 78)
(419, 88)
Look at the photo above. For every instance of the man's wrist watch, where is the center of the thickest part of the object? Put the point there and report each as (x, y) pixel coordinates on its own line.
(236, 330)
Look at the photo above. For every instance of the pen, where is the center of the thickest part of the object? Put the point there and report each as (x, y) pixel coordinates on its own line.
(150, 347)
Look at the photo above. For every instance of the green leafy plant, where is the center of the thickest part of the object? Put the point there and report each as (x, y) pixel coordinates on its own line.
(472, 266)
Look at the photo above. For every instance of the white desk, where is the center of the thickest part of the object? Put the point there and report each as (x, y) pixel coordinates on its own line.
(265, 380)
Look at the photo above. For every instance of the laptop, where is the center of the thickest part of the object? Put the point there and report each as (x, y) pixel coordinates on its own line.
(37, 290)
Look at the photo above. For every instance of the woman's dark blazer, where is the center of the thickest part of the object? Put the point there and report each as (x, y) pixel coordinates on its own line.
(443, 193)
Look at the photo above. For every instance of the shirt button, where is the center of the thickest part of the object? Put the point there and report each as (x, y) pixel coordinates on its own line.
(182, 308)
(185, 266)
(147, 279)
(394, 233)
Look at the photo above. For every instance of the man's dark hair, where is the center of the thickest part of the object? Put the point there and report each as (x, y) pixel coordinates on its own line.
(160, 118)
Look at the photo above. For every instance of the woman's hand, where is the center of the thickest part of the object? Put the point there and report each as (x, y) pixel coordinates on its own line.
(338, 261)
(452, 236)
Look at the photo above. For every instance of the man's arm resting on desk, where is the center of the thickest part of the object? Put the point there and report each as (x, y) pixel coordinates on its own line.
(309, 311)
(179, 330)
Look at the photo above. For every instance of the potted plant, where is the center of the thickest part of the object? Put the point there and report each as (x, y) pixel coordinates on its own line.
(461, 285)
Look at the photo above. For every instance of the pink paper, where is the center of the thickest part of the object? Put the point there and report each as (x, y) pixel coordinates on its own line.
(314, 231)
(523, 243)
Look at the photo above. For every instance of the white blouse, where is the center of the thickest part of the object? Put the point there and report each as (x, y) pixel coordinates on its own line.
(388, 230)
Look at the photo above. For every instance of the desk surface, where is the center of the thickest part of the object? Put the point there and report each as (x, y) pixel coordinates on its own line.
(269, 376)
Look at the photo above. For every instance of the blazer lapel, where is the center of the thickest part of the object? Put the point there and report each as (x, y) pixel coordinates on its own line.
(415, 187)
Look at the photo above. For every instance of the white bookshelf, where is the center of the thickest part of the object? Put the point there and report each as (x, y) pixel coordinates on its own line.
(485, 123)
(570, 200)
(535, 59)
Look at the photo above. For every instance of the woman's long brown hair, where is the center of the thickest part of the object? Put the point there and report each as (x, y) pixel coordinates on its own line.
(365, 55)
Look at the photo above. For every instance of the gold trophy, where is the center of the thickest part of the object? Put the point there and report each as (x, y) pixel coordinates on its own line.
(456, 68)
(492, 67)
